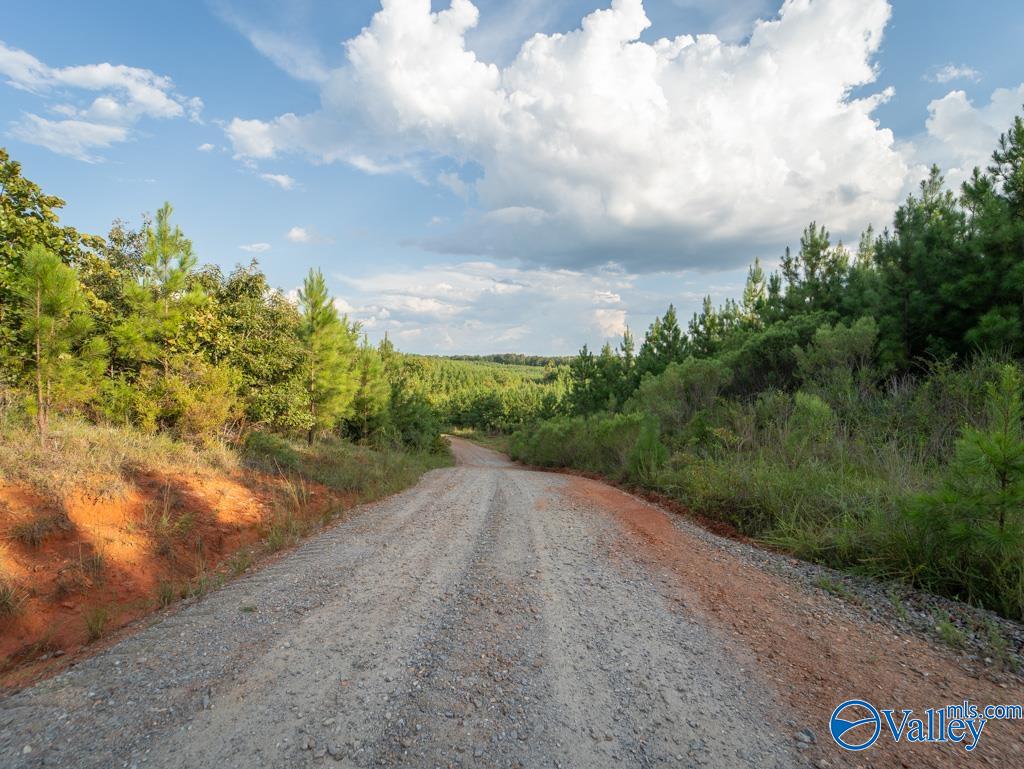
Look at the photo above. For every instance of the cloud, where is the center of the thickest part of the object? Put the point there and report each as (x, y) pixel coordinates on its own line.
(960, 136)
(256, 248)
(283, 181)
(951, 72)
(74, 138)
(594, 145)
(298, 57)
(480, 306)
(125, 95)
(205, 147)
(611, 323)
(298, 235)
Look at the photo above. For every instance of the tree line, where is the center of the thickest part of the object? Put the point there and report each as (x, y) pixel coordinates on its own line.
(859, 406)
(131, 330)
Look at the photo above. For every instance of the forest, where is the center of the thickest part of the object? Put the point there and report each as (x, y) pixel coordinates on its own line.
(857, 407)
(130, 330)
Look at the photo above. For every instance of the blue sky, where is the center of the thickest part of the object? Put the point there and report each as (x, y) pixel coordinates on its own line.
(469, 193)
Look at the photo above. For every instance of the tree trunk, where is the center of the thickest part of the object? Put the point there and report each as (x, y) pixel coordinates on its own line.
(40, 398)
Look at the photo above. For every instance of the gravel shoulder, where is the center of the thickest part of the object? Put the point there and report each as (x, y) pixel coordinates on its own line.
(489, 616)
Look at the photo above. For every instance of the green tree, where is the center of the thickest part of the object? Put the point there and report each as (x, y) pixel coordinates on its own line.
(55, 324)
(373, 391)
(971, 530)
(28, 217)
(663, 344)
(329, 356)
(160, 299)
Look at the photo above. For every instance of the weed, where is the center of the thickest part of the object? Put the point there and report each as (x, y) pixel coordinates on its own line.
(167, 593)
(91, 564)
(897, 605)
(997, 645)
(240, 562)
(96, 620)
(11, 598)
(833, 586)
(247, 609)
(950, 634)
(284, 530)
(32, 533)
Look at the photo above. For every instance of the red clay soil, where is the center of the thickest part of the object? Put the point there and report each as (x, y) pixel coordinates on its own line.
(114, 558)
(813, 656)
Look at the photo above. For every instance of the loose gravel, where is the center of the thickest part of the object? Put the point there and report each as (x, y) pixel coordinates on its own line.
(474, 620)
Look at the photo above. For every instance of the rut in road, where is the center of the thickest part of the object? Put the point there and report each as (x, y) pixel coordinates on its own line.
(478, 619)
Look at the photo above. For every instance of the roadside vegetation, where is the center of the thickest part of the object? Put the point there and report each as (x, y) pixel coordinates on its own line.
(859, 408)
(163, 421)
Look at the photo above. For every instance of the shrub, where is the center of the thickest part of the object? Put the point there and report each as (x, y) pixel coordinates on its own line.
(680, 391)
(968, 536)
(811, 425)
(200, 399)
(648, 455)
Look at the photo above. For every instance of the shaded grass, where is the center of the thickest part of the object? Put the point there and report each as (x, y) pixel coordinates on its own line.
(33, 532)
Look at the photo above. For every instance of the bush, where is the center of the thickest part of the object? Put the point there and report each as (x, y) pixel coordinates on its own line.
(603, 443)
(680, 391)
(200, 399)
(967, 538)
(810, 427)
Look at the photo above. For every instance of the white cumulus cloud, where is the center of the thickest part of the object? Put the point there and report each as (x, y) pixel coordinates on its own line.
(124, 95)
(256, 248)
(298, 235)
(961, 135)
(596, 145)
(283, 181)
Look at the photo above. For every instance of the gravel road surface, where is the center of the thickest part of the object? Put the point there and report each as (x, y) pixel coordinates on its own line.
(488, 617)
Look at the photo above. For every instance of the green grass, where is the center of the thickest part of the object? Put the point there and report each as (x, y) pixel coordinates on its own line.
(96, 620)
(369, 473)
(167, 593)
(833, 586)
(950, 634)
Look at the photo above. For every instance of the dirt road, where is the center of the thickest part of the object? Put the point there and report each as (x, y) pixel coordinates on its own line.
(492, 616)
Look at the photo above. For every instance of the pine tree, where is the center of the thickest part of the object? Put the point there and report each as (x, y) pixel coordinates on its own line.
(330, 356)
(54, 322)
(971, 531)
(160, 300)
(372, 390)
(663, 344)
(755, 296)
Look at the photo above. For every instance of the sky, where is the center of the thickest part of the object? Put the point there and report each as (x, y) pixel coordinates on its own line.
(504, 176)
